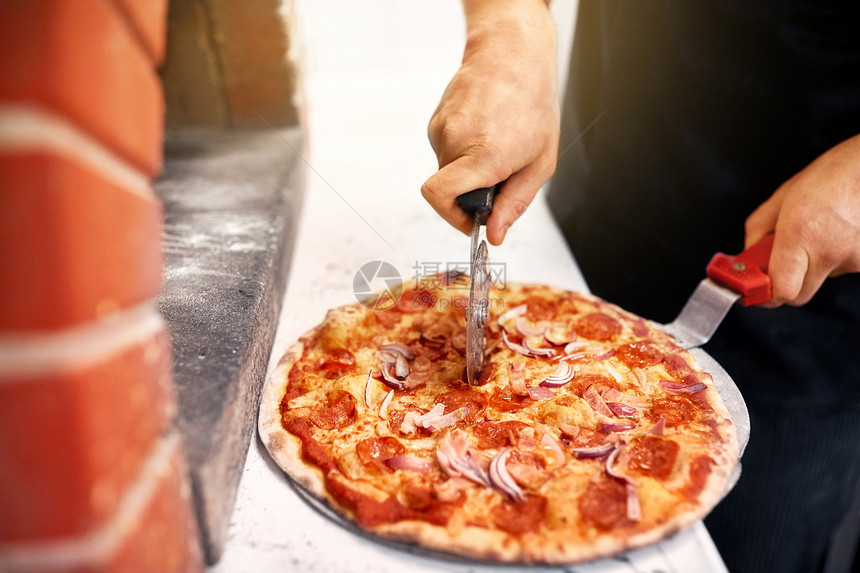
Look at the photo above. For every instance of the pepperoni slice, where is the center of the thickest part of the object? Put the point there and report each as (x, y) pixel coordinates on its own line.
(676, 409)
(639, 354)
(653, 456)
(604, 503)
(417, 300)
(700, 469)
(299, 383)
(454, 399)
(518, 518)
(600, 382)
(389, 318)
(538, 308)
(504, 400)
(335, 363)
(337, 412)
(598, 326)
(374, 451)
(498, 434)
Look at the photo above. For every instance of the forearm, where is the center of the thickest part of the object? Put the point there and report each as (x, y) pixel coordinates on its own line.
(498, 119)
(495, 18)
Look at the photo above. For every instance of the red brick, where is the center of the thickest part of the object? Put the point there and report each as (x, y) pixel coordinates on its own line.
(153, 530)
(74, 244)
(165, 537)
(148, 18)
(79, 412)
(81, 60)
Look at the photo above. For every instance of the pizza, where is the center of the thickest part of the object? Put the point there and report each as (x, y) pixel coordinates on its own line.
(591, 432)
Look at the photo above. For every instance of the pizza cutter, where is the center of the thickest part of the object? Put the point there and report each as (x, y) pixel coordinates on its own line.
(478, 204)
(730, 279)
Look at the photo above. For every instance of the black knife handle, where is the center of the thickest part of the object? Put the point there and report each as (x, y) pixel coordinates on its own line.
(478, 203)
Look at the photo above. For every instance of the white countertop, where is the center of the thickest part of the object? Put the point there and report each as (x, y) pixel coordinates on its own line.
(374, 72)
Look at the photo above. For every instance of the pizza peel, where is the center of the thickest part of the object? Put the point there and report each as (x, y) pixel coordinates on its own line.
(478, 204)
(740, 278)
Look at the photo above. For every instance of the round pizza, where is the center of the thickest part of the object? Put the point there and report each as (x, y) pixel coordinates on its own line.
(590, 432)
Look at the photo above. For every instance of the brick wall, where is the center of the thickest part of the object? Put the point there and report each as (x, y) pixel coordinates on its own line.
(92, 477)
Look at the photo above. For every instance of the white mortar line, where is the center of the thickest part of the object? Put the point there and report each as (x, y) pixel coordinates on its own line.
(31, 128)
(24, 355)
(99, 545)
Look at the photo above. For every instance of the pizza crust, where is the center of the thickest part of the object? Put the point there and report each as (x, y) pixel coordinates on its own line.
(467, 541)
(284, 447)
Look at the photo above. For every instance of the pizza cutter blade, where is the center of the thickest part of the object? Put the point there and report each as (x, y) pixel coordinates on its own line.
(478, 204)
(730, 278)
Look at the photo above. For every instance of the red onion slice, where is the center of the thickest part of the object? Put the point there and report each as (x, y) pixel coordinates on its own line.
(574, 356)
(401, 367)
(658, 428)
(540, 393)
(502, 480)
(518, 348)
(455, 459)
(604, 356)
(616, 427)
(563, 374)
(390, 380)
(678, 388)
(593, 453)
(622, 410)
(437, 341)
(536, 350)
(516, 311)
(474, 471)
(528, 328)
(401, 349)
(409, 463)
(610, 461)
(550, 442)
(367, 388)
(383, 408)
(574, 346)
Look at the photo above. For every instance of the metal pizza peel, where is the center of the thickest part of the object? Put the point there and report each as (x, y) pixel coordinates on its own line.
(730, 279)
(478, 204)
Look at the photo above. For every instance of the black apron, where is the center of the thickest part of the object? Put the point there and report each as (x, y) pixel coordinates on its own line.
(704, 109)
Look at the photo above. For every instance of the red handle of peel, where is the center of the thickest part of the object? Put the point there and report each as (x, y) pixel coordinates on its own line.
(746, 272)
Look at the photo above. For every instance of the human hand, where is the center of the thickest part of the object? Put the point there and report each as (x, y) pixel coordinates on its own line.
(815, 216)
(499, 117)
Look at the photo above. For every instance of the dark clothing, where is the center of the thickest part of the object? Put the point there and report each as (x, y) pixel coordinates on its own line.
(707, 107)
